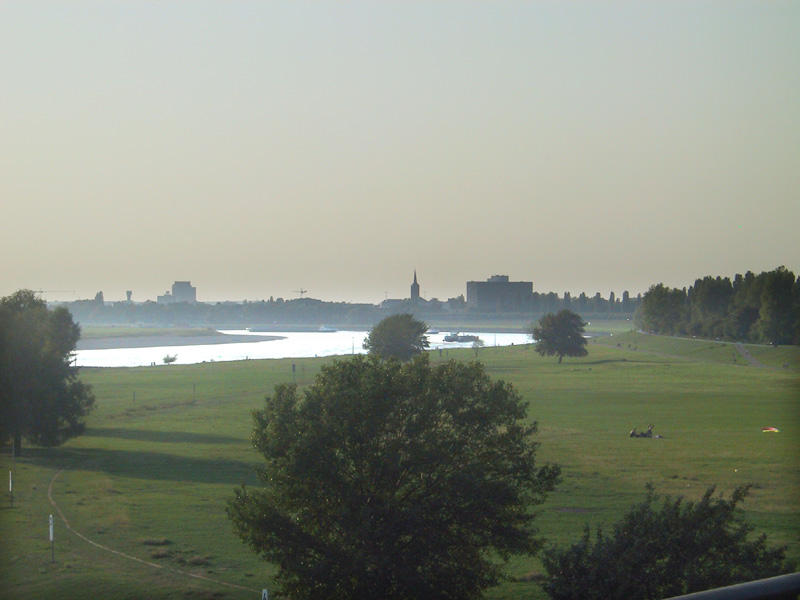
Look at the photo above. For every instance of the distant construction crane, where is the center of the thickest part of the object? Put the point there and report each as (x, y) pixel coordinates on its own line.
(301, 291)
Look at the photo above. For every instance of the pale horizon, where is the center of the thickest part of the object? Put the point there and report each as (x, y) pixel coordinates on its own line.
(257, 149)
(59, 296)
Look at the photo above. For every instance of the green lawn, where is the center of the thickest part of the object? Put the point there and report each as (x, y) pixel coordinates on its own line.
(703, 350)
(166, 446)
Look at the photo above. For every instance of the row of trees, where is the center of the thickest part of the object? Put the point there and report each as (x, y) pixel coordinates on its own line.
(584, 304)
(234, 314)
(762, 308)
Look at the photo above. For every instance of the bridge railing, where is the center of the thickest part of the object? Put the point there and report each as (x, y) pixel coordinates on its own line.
(783, 587)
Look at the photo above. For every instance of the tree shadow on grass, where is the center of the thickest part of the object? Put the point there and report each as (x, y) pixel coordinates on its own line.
(155, 466)
(168, 437)
(608, 361)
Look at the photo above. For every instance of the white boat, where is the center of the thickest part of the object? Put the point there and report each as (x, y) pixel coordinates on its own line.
(457, 337)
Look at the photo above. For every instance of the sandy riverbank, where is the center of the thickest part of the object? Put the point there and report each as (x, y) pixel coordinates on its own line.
(149, 341)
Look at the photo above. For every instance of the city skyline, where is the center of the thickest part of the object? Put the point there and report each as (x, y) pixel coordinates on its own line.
(257, 149)
(170, 296)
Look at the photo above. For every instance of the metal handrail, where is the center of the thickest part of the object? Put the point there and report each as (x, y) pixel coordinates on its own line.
(782, 587)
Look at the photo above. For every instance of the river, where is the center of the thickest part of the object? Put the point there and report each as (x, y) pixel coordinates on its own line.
(291, 345)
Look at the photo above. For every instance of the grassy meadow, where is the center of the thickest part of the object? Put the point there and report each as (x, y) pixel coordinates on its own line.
(148, 483)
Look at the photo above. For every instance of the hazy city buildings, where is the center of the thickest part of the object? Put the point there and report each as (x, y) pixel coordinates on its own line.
(498, 294)
(182, 291)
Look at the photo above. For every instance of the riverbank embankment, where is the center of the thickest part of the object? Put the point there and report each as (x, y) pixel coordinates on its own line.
(147, 341)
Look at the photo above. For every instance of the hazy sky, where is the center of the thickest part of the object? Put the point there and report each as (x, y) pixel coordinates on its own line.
(259, 147)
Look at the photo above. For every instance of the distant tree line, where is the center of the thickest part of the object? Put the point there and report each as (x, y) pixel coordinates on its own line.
(762, 308)
(312, 311)
(611, 307)
(221, 314)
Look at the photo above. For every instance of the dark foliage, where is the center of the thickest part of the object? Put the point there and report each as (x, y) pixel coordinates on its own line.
(41, 396)
(393, 480)
(761, 308)
(398, 336)
(659, 551)
(559, 334)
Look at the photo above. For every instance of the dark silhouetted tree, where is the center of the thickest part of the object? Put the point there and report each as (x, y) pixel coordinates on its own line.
(398, 336)
(776, 315)
(393, 480)
(626, 302)
(41, 397)
(559, 334)
(709, 306)
(664, 309)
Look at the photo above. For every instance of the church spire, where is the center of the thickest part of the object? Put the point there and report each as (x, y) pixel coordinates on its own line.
(415, 287)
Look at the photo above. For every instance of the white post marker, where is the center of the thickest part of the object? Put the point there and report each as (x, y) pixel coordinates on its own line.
(11, 486)
(52, 544)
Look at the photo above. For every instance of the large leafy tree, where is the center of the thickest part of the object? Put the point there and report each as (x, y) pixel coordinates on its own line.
(399, 336)
(664, 310)
(393, 480)
(777, 315)
(709, 300)
(41, 397)
(559, 334)
(664, 549)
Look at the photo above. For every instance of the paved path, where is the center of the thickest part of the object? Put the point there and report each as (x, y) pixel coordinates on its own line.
(748, 357)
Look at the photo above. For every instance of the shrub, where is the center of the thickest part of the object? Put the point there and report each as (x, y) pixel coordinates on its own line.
(662, 551)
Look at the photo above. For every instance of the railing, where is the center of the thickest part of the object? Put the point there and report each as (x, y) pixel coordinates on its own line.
(783, 587)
